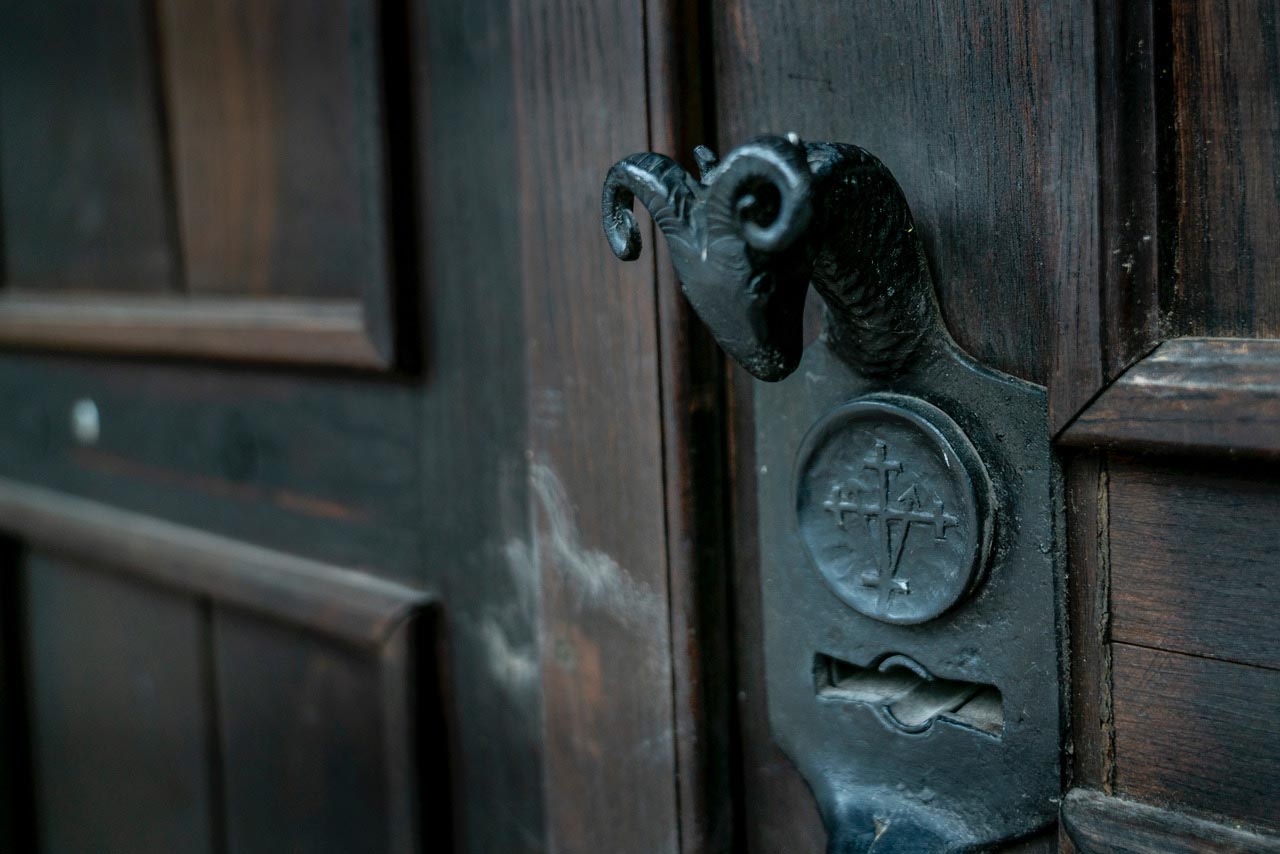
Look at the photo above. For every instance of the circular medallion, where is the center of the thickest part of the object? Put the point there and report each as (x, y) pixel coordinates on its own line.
(894, 507)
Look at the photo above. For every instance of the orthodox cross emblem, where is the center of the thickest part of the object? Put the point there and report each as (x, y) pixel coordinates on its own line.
(888, 520)
(893, 506)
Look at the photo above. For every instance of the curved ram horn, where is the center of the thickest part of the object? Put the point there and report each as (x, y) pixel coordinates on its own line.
(662, 186)
(763, 187)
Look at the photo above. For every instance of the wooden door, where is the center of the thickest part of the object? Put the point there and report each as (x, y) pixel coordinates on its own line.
(1095, 185)
(355, 498)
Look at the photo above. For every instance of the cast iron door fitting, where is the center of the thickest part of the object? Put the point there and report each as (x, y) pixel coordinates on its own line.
(908, 498)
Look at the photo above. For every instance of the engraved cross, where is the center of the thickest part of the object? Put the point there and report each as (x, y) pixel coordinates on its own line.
(881, 513)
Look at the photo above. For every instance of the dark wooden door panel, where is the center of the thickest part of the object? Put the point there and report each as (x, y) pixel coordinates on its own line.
(276, 138)
(84, 193)
(1222, 257)
(1193, 559)
(204, 179)
(316, 739)
(120, 716)
(191, 692)
(1197, 733)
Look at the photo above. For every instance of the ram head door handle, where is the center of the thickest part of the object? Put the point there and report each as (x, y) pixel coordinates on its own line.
(908, 499)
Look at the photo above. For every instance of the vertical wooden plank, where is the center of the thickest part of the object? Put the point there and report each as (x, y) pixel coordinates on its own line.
(1107, 321)
(1225, 218)
(694, 427)
(276, 129)
(985, 112)
(1088, 615)
(473, 428)
(119, 714)
(595, 446)
(305, 740)
(83, 175)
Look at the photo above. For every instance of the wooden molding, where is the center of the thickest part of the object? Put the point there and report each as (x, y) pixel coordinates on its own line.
(298, 331)
(1096, 823)
(355, 607)
(1190, 395)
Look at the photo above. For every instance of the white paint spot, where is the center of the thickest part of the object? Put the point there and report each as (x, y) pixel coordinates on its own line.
(514, 667)
(593, 575)
(85, 423)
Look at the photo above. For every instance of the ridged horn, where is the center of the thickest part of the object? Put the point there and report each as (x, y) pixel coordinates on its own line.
(763, 188)
(658, 183)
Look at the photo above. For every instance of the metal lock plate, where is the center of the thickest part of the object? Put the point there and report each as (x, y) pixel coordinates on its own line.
(908, 499)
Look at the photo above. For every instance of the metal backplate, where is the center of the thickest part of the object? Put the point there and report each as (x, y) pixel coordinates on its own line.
(982, 606)
(907, 498)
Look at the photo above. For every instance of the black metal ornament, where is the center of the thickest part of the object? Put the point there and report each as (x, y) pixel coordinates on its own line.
(908, 499)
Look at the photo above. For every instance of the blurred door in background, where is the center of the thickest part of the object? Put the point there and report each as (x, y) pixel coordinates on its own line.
(355, 498)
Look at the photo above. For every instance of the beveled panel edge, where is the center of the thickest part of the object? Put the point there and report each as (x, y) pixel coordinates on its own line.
(349, 605)
(1096, 823)
(289, 331)
(1191, 396)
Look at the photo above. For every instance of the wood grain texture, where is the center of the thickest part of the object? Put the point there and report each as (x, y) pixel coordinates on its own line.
(314, 760)
(324, 468)
(1089, 616)
(985, 113)
(472, 488)
(1197, 733)
(120, 714)
(595, 444)
(1225, 138)
(694, 458)
(1097, 824)
(313, 332)
(1193, 555)
(277, 148)
(361, 609)
(1192, 395)
(1105, 322)
(84, 195)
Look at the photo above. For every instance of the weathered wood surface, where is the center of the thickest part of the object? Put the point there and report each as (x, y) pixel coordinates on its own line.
(1222, 261)
(694, 422)
(1193, 560)
(472, 514)
(595, 442)
(1191, 395)
(358, 608)
(1089, 619)
(1197, 733)
(1107, 320)
(312, 757)
(277, 146)
(120, 714)
(1097, 824)
(326, 468)
(977, 111)
(313, 332)
(85, 200)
